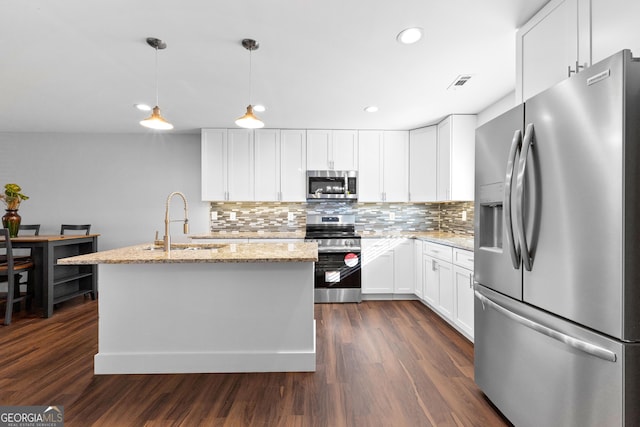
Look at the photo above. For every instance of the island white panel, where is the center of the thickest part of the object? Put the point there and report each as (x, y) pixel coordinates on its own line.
(205, 317)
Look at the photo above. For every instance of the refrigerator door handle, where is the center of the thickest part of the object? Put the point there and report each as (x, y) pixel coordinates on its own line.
(578, 344)
(514, 250)
(522, 237)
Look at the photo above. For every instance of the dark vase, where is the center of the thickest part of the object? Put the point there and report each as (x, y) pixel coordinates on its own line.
(11, 221)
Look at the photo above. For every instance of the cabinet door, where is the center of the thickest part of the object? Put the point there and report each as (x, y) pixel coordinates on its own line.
(370, 172)
(418, 279)
(444, 160)
(445, 282)
(293, 165)
(463, 310)
(377, 267)
(614, 27)
(395, 163)
(267, 165)
(214, 166)
(318, 142)
(240, 164)
(546, 47)
(344, 150)
(423, 160)
(430, 276)
(456, 154)
(403, 266)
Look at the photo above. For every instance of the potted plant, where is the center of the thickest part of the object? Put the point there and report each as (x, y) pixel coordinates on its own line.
(12, 197)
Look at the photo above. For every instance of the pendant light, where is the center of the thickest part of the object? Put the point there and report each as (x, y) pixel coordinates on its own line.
(249, 120)
(156, 121)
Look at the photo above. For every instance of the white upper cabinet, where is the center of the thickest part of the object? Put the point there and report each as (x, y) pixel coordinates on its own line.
(455, 158)
(383, 161)
(554, 44)
(423, 160)
(227, 164)
(267, 164)
(370, 166)
(395, 155)
(240, 165)
(332, 149)
(247, 165)
(614, 26)
(214, 164)
(293, 165)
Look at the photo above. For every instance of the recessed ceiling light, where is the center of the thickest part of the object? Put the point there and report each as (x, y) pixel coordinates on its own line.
(371, 109)
(142, 107)
(410, 35)
(259, 108)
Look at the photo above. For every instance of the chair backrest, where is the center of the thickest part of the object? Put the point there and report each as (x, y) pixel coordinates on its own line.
(6, 253)
(30, 227)
(75, 227)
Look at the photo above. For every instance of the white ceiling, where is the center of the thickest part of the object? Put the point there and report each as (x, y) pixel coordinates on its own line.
(80, 65)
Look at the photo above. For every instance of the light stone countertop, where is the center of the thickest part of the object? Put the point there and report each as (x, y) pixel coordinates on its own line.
(201, 253)
(449, 239)
(296, 234)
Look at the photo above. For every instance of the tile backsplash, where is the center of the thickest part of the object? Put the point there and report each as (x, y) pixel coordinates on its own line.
(290, 216)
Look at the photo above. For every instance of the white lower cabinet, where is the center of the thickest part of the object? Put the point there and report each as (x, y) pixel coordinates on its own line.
(463, 309)
(447, 284)
(387, 266)
(403, 267)
(418, 268)
(377, 267)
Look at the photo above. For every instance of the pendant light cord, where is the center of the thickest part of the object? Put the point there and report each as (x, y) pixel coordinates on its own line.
(157, 102)
(250, 86)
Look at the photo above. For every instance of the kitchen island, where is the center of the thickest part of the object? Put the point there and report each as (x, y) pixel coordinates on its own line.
(204, 308)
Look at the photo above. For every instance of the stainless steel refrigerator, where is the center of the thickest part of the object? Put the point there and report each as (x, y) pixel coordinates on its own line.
(557, 252)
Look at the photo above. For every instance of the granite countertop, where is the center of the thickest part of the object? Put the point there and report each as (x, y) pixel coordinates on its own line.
(222, 234)
(201, 253)
(449, 239)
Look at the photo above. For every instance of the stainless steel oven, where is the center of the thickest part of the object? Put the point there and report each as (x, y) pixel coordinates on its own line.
(338, 269)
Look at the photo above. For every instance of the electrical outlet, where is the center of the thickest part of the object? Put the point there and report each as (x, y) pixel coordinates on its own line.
(392, 216)
(464, 215)
(214, 216)
(232, 216)
(290, 216)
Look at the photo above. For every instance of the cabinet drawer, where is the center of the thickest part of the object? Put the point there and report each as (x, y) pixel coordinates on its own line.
(438, 251)
(463, 258)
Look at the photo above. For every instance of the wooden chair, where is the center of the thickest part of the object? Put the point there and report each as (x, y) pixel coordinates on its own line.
(9, 268)
(75, 227)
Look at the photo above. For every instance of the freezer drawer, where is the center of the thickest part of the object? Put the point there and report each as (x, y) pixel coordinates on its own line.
(541, 370)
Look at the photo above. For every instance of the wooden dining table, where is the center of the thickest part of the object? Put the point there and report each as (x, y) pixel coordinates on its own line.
(55, 283)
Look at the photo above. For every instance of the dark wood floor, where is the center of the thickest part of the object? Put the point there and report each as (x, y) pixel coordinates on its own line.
(379, 363)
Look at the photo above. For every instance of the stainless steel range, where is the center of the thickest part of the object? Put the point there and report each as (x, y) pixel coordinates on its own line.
(337, 271)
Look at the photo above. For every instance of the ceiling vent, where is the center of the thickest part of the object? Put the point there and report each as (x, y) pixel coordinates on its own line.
(459, 81)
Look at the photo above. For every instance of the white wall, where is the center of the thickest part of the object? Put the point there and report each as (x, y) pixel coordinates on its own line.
(117, 182)
(494, 110)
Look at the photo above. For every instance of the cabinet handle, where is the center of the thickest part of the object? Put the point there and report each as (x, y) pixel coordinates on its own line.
(577, 70)
(434, 265)
(470, 280)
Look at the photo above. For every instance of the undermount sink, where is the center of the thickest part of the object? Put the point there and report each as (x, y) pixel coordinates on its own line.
(185, 246)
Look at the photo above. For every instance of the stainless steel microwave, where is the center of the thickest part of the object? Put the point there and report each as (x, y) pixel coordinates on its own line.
(332, 184)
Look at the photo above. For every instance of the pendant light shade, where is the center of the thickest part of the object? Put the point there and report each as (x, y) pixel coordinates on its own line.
(156, 121)
(250, 120)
